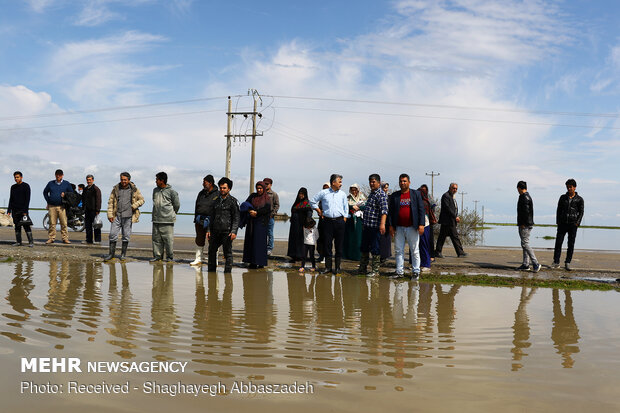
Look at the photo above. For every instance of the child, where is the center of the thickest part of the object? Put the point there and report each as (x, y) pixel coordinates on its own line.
(310, 236)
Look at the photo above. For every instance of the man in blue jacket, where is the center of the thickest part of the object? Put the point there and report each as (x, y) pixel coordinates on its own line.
(406, 218)
(54, 192)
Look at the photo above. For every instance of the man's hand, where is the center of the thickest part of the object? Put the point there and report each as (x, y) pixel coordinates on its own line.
(252, 213)
(208, 236)
(62, 194)
(382, 229)
(47, 207)
(111, 219)
(421, 229)
(458, 220)
(392, 231)
(232, 236)
(8, 214)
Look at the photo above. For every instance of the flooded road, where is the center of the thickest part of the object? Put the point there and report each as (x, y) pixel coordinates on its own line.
(342, 343)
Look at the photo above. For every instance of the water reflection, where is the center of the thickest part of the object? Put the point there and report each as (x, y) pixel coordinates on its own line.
(521, 328)
(565, 334)
(124, 312)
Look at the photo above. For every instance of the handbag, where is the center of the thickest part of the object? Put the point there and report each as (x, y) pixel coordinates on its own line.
(97, 223)
(25, 220)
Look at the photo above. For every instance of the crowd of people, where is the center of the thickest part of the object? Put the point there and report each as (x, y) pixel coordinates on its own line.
(354, 226)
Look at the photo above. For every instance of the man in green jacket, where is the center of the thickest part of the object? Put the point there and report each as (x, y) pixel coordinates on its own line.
(165, 207)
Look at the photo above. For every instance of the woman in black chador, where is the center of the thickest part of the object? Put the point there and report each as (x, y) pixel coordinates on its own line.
(255, 242)
(300, 210)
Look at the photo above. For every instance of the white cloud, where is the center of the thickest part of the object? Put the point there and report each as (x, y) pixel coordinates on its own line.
(39, 6)
(95, 12)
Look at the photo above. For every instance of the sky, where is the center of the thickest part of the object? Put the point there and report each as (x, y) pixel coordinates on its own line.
(485, 93)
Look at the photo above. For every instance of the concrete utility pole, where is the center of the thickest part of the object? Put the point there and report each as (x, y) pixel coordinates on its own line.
(462, 197)
(229, 134)
(476, 207)
(433, 175)
(482, 215)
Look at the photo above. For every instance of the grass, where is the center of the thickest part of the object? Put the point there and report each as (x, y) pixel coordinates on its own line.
(548, 237)
(506, 224)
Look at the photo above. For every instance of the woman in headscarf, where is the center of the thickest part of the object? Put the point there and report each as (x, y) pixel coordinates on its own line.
(300, 210)
(255, 242)
(385, 242)
(426, 239)
(353, 227)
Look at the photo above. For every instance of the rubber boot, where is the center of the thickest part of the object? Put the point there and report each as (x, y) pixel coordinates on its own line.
(30, 240)
(375, 265)
(110, 256)
(124, 246)
(337, 269)
(198, 260)
(18, 238)
(328, 265)
(363, 268)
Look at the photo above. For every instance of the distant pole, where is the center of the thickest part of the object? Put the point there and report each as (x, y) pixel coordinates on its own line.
(253, 161)
(433, 174)
(462, 200)
(483, 215)
(476, 207)
(228, 137)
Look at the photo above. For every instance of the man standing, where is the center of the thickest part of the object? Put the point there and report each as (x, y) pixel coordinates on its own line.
(223, 225)
(204, 209)
(275, 206)
(54, 192)
(332, 206)
(406, 220)
(19, 203)
(448, 218)
(123, 204)
(525, 221)
(165, 207)
(91, 202)
(568, 218)
(373, 226)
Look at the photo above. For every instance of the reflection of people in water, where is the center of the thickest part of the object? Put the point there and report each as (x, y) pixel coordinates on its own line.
(213, 318)
(329, 305)
(565, 333)
(299, 296)
(18, 297)
(446, 313)
(124, 310)
(65, 287)
(521, 328)
(259, 313)
(163, 314)
(91, 302)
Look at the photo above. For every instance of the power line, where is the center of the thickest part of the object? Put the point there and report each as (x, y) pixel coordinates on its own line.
(450, 118)
(428, 105)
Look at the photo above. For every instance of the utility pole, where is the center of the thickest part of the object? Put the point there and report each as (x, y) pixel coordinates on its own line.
(462, 196)
(229, 134)
(482, 215)
(476, 207)
(433, 174)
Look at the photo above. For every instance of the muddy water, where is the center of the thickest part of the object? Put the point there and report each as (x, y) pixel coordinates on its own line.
(355, 344)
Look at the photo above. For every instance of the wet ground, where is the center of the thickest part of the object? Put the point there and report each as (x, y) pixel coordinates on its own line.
(360, 344)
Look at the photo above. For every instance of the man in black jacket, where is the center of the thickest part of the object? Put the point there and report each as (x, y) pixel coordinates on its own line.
(19, 203)
(568, 218)
(204, 209)
(525, 221)
(223, 225)
(448, 218)
(91, 202)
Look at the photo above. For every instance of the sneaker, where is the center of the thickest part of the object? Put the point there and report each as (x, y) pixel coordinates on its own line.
(49, 241)
(537, 268)
(567, 266)
(97, 243)
(269, 253)
(155, 259)
(523, 267)
(415, 275)
(555, 265)
(425, 269)
(66, 241)
(395, 275)
(463, 255)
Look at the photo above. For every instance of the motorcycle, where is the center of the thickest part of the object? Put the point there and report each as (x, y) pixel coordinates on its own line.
(75, 219)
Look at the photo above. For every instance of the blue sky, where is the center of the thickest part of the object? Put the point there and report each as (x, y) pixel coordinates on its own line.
(490, 92)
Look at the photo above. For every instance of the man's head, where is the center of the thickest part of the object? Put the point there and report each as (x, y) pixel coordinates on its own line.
(268, 182)
(208, 182)
(404, 182)
(17, 175)
(326, 185)
(80, 188)
(453, 189)
(125, 179)
(571, 185)
(225, 185)
(90, 180)
(522, 187)
(161, 179)
(335, 181)
(59, 174)
(374, 181)
(385, 186)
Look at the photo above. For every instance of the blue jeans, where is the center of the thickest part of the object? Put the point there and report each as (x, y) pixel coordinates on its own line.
(270, 234)
(409, 234)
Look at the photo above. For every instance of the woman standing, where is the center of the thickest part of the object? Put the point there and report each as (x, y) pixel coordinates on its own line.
(255, 242)
(300, 210)
(426, 239)
(353, 226)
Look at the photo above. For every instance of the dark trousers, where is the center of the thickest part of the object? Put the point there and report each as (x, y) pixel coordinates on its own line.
(308, 254)
(17, 222)
(89, 217)
(449, 231)
(563, 229)
(334, 235)
(371, 241)
(220, 239)
(201, 235)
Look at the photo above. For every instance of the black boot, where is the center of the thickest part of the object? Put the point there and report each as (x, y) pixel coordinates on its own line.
(337, 269)
(18, 238)
(328, 265)
(30, 240)
(124, 250)
(112, 251)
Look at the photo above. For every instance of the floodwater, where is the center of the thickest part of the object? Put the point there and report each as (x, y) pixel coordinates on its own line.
(356, 344)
